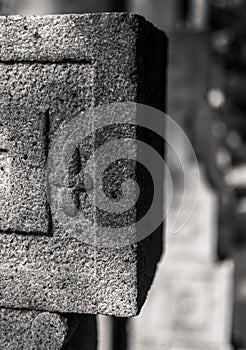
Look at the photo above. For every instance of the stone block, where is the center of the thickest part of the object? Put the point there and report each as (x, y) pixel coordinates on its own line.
(15, 328)
(35, 330)
(52, 69)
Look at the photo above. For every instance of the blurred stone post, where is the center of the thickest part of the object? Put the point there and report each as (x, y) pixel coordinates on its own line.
(190, 305)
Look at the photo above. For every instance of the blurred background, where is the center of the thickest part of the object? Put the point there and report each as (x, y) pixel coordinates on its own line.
(197, 301)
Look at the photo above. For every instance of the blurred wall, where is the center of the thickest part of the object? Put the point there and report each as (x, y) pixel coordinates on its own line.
(170, 14)
(41, 7)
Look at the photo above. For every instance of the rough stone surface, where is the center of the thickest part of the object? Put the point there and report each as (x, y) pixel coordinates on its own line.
(30, 110)
(35, 330)
(52, 68)
(15, 329)
(48, 331)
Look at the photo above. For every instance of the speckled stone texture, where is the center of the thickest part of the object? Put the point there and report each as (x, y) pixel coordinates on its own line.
(51, 69)
(35, 330)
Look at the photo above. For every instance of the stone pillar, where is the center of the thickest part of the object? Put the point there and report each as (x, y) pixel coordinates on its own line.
(52, 69)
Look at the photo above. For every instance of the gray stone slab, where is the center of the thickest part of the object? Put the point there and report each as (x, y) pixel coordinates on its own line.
(15, 329)
(52, 69)
(35, 98)
(36, 330)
